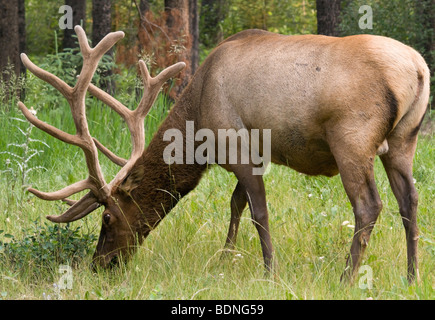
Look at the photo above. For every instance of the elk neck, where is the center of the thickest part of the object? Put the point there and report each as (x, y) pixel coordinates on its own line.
(162, 184)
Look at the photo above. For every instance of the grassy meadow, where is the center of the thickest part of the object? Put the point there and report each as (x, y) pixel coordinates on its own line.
(311, 223)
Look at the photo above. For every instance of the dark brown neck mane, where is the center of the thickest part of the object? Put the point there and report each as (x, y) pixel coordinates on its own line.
(163, 185)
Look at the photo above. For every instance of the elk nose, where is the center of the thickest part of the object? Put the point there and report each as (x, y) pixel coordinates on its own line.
(114, 262)
(100, 262)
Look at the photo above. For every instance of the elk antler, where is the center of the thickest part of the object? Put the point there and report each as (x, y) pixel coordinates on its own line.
(134, 118)
(99, 189)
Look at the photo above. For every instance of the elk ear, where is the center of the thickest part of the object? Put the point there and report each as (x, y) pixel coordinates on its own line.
(133, 180)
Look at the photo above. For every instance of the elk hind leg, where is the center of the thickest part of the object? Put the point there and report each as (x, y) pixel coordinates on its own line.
(398, 165)
(358, 181)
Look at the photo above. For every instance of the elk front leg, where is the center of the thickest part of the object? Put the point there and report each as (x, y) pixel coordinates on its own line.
(256, 198)
(238, 204)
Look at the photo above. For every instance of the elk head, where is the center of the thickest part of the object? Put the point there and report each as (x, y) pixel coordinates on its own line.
(121, 228)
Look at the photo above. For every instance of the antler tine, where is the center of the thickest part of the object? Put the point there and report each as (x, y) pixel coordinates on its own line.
(152, 85)
(109, 154)
(65, 192)
(110, 101)
(53, 131)
(169, 72)
(48, 77)
(91, 56)
(135, 118)
(78, 210)
(76, 98)
(119, 108)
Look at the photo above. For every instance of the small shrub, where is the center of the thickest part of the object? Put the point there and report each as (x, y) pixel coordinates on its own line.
(46, 245)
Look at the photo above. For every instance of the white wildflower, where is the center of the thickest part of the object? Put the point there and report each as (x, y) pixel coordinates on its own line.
(46, 296)
(347, 224)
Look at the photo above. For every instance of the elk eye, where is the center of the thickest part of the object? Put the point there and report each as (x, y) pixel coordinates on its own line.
(106, 218)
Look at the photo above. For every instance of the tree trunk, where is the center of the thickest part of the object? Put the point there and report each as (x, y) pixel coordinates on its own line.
(79, 18)
(213, 12)
(101, 26)
(194, 33)
(168, 38)
(182, 25)
(328, 17)
(144, 6)
(175, 10)
(9, 44)
(101, 19)
(144, 11)
(22, 32)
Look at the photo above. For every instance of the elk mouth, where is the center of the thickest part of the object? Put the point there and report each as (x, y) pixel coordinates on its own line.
(114, 262)
(109, 261)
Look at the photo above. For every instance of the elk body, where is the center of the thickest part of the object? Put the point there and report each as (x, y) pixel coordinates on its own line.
(331, 104)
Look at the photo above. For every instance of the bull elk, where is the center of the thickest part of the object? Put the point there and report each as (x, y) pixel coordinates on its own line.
(332, 104)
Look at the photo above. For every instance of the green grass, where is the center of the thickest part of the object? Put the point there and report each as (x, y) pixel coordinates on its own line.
(181, 259)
